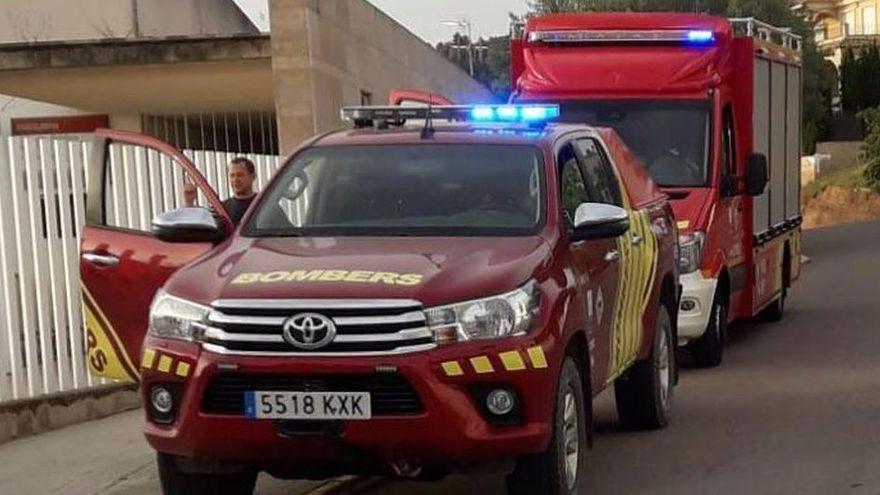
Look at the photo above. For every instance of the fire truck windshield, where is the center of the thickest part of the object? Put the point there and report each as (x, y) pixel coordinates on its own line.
(671, 138)
(415, 190)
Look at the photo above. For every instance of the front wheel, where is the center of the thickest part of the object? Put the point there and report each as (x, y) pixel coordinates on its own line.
(560, 469)
(644, 393)
(177, 482)
(708, 350)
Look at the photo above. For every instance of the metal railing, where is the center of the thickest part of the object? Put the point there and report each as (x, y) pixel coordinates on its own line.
(42, 202)
(783, 37)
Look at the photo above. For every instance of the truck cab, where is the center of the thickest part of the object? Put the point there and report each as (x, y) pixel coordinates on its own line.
(711, 107)
(432, 289)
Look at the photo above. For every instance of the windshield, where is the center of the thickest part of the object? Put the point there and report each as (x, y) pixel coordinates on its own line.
(671, 138)
(424, 189)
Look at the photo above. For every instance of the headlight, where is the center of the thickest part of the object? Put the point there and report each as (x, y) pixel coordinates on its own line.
(175, 318)
(690, 247)
(494, 317)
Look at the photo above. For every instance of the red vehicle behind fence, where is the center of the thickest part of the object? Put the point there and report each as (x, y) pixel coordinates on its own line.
(706, 103)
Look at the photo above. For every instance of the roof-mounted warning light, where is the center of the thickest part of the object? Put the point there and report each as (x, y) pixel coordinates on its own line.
(683, 36)
(532, 115)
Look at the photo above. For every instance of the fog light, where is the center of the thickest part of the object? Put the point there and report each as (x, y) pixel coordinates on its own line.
(500, 402)
(161, 399)
(688, 304)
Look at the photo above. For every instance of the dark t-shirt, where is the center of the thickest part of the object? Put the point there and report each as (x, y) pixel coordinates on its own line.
(237, 207)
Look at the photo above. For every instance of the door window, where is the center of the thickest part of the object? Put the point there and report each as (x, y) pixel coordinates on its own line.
(601, 181)
(728, 153)
(572, 186)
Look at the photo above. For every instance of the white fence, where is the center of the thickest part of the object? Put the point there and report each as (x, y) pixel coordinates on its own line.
(42, 204)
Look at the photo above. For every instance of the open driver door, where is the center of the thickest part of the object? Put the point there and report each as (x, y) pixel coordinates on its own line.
(122, 263)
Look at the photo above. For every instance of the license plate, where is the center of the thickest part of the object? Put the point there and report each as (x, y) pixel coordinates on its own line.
(307, 405)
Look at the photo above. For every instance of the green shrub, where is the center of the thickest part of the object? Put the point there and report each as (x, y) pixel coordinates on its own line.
(871, 148)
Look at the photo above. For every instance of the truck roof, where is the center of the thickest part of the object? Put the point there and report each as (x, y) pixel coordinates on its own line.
(630, 21)
(465, 133)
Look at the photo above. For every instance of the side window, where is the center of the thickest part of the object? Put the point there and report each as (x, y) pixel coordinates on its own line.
(572, 187)
(141, 183)
(728, 145)
(602, 184)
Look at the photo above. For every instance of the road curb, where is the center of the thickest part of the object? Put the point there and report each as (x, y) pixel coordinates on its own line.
(22, 418)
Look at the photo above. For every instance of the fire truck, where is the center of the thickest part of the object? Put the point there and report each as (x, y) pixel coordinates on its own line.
(401, 298)
(712, 109)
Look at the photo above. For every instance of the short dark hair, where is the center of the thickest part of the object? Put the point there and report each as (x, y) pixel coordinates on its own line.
(248, 164)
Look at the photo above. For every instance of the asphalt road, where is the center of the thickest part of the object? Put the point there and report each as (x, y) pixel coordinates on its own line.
(794, 409)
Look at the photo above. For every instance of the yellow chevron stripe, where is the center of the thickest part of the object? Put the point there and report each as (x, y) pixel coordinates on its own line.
(482, 365)
(164, 364)
(148, 358)
(452, 368)
(512, 361)
(537, 357)
(183, 369)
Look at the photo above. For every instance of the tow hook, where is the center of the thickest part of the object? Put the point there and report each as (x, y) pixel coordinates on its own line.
(405, 469)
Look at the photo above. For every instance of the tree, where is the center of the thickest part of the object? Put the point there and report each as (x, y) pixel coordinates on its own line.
(491, 61)
(871, 148)
(849, 82)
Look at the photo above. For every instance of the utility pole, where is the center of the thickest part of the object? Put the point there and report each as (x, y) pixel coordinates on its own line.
(466, 24)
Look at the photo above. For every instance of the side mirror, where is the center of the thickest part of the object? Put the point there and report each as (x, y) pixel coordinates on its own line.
(187, 225)
(756, 174)
(599, 221)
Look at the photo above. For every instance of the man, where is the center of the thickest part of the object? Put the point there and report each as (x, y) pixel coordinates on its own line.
(242, 175)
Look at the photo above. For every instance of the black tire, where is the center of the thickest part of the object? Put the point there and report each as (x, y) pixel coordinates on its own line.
(176, 482)
(708, 350)
(644, 393)
(776, 310)
(547, 473)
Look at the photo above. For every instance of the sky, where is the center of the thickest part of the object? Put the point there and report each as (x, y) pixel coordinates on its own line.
(422, 17)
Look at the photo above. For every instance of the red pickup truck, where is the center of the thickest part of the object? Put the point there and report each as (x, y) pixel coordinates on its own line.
(430, 297)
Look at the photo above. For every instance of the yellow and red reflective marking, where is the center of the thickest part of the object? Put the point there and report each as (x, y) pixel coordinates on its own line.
(452, 368)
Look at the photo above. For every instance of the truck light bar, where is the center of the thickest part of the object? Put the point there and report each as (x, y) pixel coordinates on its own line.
(488, 114)
(691, 36)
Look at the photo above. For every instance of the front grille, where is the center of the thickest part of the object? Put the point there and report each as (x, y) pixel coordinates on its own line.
(390, 393)
(362, 326)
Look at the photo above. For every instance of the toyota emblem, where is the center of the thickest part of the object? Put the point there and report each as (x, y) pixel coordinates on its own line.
(309, 331)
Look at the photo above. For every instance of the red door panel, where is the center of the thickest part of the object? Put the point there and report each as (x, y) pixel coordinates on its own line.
(598, 260)
(122, 269)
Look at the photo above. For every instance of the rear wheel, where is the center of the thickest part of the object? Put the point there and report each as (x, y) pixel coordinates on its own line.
(776, 310)
(708, 350)
(560, 469)
(644, 393)
(177, 482)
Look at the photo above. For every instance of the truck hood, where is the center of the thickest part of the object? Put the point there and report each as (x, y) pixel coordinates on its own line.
(691, 207)
(435, 270)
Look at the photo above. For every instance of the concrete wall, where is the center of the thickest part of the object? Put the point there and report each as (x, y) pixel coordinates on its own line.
(54, 20)
(330, 51)
(838, 155)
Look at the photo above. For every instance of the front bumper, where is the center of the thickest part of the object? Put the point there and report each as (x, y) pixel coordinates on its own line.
(451, 427)
(700, 292)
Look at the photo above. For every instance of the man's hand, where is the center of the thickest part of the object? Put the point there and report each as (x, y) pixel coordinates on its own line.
(189, 193)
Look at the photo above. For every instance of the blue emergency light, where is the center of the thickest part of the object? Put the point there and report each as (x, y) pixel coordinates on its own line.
(623, 36)
(529, 114)
(514, 113)
(700, 37)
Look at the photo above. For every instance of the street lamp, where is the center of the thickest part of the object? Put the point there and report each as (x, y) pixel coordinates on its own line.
(466, 24)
